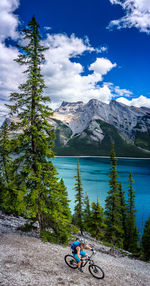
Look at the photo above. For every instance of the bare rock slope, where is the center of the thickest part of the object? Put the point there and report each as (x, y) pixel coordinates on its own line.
(27, 261)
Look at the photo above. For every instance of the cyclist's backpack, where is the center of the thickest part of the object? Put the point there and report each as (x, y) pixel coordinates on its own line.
(75, 244)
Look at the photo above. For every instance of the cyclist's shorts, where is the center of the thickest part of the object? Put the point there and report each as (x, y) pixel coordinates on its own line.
(82, 253)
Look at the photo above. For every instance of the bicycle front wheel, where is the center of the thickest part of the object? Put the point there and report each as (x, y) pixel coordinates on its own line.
(96, 271)
(70, 261)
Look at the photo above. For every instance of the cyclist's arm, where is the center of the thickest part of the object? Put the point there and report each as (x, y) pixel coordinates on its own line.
(78, 251)
(88, 247)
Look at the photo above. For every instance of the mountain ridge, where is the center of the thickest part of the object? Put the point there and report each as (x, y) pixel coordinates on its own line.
(91, 123)
(91, 128)
(114, 113)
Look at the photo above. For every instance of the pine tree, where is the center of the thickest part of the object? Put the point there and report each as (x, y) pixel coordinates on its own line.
(4, 160)
(132, 234)
(60, 218)
(87, 214)
(6, 201)
(97, 227)
(114, 232)
(63, 195)
(123, 212)
(36, 174)
(4, 153)
(146, 240)
(79, 201)
(1, 193)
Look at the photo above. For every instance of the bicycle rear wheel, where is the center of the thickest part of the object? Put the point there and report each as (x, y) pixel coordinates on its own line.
(96, 271)
(70, 261)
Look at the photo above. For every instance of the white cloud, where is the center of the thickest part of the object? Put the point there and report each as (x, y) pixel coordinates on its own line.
(138, 102)
(122, 92)
(3, 111)
(101, 49)
(137, 14)
(10, 72)
(102, 66)
(117, 91)
(63, 75)
(8, 21)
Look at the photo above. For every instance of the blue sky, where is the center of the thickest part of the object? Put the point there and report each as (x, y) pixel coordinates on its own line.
(97, 49)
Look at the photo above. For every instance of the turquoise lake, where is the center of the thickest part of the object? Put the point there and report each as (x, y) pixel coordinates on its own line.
(94, 176)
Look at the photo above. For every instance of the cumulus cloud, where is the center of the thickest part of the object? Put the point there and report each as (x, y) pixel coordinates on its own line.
(138, 102)
(10, 72)
(137, 14)
(64, 76)
(8, 21)
(119, 92)
(102, 66)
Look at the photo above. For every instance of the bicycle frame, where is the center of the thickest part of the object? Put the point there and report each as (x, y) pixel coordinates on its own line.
(86, 260)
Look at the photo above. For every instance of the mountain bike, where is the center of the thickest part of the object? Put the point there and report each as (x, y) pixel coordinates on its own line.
(94, 269)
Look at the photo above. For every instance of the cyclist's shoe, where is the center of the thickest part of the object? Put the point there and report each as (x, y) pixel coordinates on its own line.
(80, 269)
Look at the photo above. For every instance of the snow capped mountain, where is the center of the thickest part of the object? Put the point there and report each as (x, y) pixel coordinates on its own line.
(125, 118)
(91, 128)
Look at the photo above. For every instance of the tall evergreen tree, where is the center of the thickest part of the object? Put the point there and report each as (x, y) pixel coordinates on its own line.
(63, 196)
(132, 234)
(114, 232)
(79, 200)
(1, 193)
(87, 214)
(4, 161)
(146, 240)
(122, 212)
(36, 173)
(4, 153)
(97, 228)
(8, 196)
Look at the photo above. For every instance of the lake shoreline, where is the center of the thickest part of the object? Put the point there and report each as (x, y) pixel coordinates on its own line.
(103, 157)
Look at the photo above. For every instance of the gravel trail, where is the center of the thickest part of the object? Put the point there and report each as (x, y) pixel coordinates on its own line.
(27, 261)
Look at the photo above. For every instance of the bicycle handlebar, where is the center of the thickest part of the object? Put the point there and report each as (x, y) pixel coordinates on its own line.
(89, 257)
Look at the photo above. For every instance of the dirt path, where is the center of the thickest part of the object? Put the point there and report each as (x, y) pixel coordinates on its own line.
(27, 261)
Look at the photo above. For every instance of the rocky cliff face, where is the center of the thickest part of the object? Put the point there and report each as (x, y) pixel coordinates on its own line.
(97, 122)
(91, 128)
(125, 118)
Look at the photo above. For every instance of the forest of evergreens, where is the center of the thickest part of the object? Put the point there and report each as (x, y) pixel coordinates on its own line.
(29, 183)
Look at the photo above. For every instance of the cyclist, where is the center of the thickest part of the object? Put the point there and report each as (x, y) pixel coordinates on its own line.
(78, 252)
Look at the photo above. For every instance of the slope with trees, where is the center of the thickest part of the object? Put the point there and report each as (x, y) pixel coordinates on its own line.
(36, 180)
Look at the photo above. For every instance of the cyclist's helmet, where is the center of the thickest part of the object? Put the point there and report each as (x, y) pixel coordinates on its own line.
(82, 240)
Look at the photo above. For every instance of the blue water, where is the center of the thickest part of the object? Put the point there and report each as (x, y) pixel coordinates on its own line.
(94, 176)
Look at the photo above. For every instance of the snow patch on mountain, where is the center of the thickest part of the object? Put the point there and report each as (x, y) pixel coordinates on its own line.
(125, 118)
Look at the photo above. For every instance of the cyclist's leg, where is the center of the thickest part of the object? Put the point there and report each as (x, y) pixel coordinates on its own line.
(83, 253)
(77, 259)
